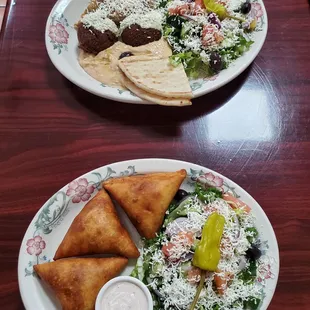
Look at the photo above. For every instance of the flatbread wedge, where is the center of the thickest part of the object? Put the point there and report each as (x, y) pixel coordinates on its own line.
(76, 281)
(157, 76)
(146, 198)
(97, 230)
(154, 98)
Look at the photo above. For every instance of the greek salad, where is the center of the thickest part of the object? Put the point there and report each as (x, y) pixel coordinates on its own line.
(207, 35)
(207, 256)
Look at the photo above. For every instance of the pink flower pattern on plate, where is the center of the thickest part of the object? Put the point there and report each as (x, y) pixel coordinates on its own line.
(211, 180)
(35, 245)
(264, 272)
(80, 189)
(257, 10)
(58, 34)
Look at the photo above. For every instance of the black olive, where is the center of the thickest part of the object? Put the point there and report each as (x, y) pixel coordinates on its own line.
(181, 194)
(213, 19)
(253, 253)
(246, 7)
(125, 54)
(216, 63)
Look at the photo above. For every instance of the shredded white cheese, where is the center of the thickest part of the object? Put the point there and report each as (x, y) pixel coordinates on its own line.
(126, 8)
(98, 20)
(233, 5)
(152, 19)
(171, 280)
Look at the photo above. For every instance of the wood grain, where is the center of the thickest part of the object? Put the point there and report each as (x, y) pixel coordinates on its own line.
(255, 130)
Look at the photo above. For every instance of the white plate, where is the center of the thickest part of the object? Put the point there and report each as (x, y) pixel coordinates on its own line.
(62, 47)
(52, 221)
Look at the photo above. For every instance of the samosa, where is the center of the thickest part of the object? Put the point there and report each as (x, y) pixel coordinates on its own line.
(146, 198)
(97, 230)
(77, 281)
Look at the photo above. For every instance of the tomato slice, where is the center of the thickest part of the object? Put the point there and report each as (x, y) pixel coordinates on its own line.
(200, 3)
(236, 203)
(166, 249)
(221, 282)
(193, 275)
(186, 238)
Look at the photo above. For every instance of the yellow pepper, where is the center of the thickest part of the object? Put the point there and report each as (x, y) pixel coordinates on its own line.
(207, 254)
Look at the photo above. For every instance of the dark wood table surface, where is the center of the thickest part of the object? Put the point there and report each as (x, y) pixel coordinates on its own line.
(255, 130)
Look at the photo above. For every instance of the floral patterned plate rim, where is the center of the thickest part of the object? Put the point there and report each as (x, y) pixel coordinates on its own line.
(62, 47)
(52, 221)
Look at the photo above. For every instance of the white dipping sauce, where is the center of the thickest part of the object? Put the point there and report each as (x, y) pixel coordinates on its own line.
(124, 296)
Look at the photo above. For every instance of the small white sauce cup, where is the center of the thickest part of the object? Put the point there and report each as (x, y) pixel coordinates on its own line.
(121, 279)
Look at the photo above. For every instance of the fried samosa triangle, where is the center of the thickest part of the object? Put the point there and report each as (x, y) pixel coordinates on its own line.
(97, 230)
(146, 198)
(77, 281)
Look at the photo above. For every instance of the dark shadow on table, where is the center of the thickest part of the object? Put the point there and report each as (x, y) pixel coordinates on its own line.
(161, 119)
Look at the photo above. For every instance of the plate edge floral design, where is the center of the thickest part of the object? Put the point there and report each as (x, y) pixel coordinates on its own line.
(58, 34)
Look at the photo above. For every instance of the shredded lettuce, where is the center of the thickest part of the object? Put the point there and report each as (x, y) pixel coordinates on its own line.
(174, 24)
(254, 234)
(234, 52)
(252, 303)
(248, 275)
(207, 195)
(172, 207)
(193, 64)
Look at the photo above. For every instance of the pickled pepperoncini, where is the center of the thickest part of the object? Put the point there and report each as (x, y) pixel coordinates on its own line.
(207, 254)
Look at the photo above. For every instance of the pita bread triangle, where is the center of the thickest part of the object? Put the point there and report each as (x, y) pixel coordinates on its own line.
(97, 230)
(154, 98)
(76, 282)
(146, 198)
(157, 76)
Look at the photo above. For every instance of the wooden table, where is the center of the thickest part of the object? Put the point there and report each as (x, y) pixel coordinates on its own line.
(255, 130)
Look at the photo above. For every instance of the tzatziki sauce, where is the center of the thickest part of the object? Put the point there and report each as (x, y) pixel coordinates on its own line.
(124, 296)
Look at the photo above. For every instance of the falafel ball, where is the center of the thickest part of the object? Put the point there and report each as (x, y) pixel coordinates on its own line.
(135, 35)
(94, 41)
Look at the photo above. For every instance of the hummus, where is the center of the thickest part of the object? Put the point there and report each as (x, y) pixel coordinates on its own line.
(104, 66)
